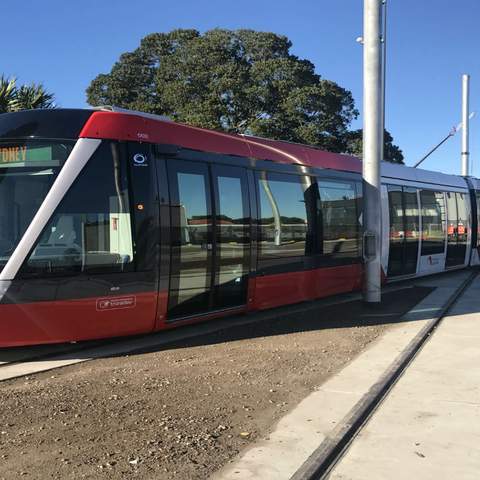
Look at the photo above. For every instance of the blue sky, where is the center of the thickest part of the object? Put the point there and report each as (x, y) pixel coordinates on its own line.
(65, 44)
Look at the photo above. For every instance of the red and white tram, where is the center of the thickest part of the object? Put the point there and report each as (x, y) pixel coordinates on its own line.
(118, 223)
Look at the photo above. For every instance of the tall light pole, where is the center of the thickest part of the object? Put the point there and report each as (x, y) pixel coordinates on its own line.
(465, 123)
(372, 140)
(384, 75)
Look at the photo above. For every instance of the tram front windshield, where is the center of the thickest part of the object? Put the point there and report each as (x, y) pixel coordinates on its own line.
(27, 172)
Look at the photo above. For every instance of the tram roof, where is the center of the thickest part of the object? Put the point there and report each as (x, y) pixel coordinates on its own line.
(120, 124)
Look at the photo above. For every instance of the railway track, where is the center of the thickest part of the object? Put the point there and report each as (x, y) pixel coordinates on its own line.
(322, 461)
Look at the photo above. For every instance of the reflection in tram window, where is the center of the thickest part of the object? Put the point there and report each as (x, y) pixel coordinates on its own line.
(433, 222)
(457, 228)
(397, 230)
(191, 243)
(412, 230)
(24, 184)
(90, 232)
(339, 220)
(194, 220)
(283, 215)
(232, 225)
(404, 230)
(452, 218)
(463, 222)
(232, 238)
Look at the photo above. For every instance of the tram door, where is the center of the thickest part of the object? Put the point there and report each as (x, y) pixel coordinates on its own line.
(210, 238)
(457, 228)
(404, 230)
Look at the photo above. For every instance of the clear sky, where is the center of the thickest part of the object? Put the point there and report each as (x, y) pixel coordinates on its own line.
(65, 44)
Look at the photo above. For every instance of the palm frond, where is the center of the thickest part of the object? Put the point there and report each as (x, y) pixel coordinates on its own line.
(7, 93)
(32, 96)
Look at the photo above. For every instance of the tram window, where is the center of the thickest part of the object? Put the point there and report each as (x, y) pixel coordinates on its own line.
(397, 227)
(283, 215)
(91, 229)
(28, 170)
(452, 218)
(404, 230)
(397, 230)
(462, 217)
(338, 219)
(433, 221)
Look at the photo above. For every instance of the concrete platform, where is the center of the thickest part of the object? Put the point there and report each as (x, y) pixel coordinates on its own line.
(320, 417)
(429, 425)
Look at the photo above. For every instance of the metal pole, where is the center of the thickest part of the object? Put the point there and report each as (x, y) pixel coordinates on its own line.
(451, 134)
(371, 149)
(465, 123)
(384, 75)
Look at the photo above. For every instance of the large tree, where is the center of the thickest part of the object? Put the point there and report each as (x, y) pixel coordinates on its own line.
(391, 152)
(240, 81)
(24, 97)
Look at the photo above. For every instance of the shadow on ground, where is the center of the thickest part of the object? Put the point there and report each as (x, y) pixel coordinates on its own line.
(305, 317)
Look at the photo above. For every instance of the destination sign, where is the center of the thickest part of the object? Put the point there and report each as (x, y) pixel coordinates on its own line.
(13, 154)
(21, 155)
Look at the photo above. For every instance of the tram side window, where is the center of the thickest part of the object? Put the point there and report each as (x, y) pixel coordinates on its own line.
(283, 222)
(433, 222)
(463, 218)
(338, 226)
(91, 230)
(452, 217)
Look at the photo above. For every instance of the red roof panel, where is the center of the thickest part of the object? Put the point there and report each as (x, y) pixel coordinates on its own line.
(130, 127)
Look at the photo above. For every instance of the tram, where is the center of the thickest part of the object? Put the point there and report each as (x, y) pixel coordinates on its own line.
(115, 222)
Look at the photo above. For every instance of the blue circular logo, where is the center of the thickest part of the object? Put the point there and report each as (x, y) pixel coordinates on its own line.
(139, 158)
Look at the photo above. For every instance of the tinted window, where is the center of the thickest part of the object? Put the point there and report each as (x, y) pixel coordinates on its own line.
(232, 236)
(338, 219)
(452, 218)
(404, 230)
(191, 219)
(27, 172)
(433, 221)
(283, 216)
(462, 216)
(412, 230)
(397, 230)
(91, 230)
(457, 228)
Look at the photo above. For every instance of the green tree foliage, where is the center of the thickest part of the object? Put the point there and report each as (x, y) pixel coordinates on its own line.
(240, 81)
(391, 152)
(7, 93)
(25, 97)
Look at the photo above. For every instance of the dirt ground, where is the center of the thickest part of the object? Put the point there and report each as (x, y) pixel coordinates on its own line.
(184, 411)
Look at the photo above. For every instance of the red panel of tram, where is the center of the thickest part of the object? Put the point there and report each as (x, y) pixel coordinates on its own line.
(63, 321)
(118, 126)
(283, 289)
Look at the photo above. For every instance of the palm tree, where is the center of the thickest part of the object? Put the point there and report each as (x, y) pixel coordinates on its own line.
(7, 93)
(25, 97)
(29, 97)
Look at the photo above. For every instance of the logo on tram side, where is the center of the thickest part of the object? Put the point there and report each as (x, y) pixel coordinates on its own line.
(140, 160)
(115, 303)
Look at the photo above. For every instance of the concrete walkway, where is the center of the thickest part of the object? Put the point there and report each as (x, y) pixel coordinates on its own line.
(428, 427)
(326, 411)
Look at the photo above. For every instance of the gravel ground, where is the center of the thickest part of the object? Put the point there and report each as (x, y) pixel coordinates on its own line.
(184, 411)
